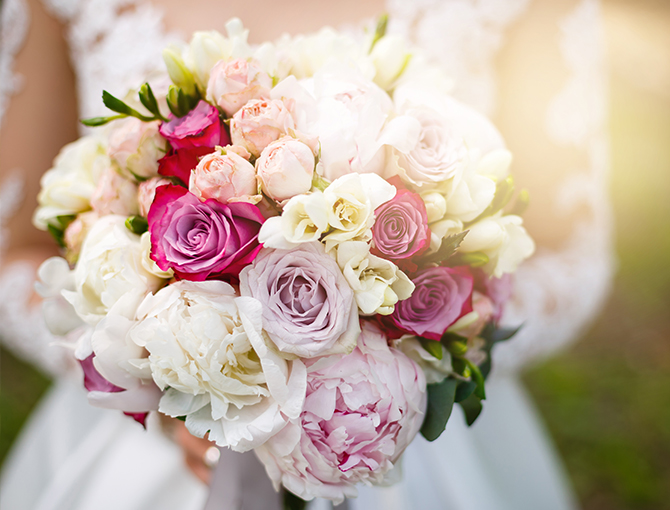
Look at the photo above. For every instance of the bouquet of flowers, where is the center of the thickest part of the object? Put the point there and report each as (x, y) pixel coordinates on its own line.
(300, 248)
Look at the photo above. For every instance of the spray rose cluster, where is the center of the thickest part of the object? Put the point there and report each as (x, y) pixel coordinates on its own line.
(284, 247)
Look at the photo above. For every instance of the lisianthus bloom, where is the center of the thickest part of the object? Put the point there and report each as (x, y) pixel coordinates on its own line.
(200, 127)
(308, 307)
(198, 239)
(441, 296)
(361, 411)
(207, 350)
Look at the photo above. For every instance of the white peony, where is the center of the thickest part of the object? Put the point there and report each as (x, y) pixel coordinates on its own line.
(377, 283)
(67, 187)
(503, 239)
(54, 276)
(109, 275)
(206, 347)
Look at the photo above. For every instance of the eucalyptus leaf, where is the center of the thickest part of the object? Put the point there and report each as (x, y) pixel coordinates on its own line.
(472, 407)
(440, 403)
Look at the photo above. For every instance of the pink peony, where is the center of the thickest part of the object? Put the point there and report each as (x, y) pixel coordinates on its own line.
(224, 177)
(259, 123)
(442, 295)
(401, 227)
(234, 82)
(201, 240)
(285, 169)
(361, 411)
(146, 193)
(201, 127)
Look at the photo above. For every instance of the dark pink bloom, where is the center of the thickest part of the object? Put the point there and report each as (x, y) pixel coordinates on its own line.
(401, 227)
(201, 127)
(201, 240)
(93, 381)
(442, 296)
(181, 163)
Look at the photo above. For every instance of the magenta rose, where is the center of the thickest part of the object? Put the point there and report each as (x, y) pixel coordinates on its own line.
(361, 411)
(442, 295)
(401, 227)
(181, 163)
(201, 127)
(93, 381)
(201, 240)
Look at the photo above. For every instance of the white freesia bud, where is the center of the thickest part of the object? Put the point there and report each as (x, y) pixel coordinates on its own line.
(204, 51)
(179, 73)
(503, 239)
(390, 57)
(436, 205)
(285, 169)
(378, 284)
(67, 187)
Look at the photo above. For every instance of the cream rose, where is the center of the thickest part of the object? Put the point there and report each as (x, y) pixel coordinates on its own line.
(225, 176)
(259, 123)
(234, 82)
(207, 349)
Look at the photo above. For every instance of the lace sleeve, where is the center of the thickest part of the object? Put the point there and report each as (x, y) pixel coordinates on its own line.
(561, 289)
(14, 21)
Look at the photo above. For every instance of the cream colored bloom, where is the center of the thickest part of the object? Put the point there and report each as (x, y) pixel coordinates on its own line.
(303, 220)
(378, 284)
(285, 169)
(136, 147)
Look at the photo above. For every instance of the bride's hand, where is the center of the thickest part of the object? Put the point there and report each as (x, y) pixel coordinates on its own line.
(194, 450)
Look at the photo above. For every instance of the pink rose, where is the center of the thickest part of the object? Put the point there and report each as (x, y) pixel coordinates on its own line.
(201, 240)
(234, 82)
(114, 195)
(441, 296)
(361, 411)
(135, 146)
(201, 127)
(259, 123)
(147, 192)
(224, 177)
(401, 227)
(285, 169)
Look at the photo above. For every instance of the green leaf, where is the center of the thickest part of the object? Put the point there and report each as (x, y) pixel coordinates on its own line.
(440, 403)
(433, 347)
(472, 407)
(137, 224)
(319, 182)
(57, 234)
(293, 502)
(100, 121)
(181, 418)
(464, 390)
(459, 366)
(447, 248)
(149, 101)
(116, 105)
(380, 29)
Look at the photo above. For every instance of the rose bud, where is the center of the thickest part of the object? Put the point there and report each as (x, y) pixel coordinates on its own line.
(200, 127)
(224, 176)
(232, 83)
(259, 123)
(285, 169)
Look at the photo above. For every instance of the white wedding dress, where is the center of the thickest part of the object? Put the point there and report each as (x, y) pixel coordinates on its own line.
(74, 457)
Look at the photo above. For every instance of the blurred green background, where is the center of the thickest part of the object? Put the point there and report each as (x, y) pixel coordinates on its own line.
(606, 400)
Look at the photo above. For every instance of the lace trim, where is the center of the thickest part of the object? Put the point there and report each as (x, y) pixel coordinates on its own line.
(14, 22)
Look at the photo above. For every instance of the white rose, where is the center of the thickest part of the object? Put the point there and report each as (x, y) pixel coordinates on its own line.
(351, 201)
(285, 169)
(377, 283)
(136, 147)
(67, 187)
(109, 275)
(303, 220)
(207, 348)
(503, 239)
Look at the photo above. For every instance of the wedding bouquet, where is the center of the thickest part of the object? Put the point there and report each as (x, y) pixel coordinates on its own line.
(301, 249)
